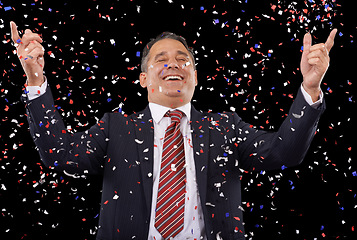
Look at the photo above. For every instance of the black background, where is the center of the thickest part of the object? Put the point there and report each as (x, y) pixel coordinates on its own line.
(94, 69)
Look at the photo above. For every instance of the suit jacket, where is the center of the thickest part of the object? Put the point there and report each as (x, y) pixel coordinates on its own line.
(120, 147)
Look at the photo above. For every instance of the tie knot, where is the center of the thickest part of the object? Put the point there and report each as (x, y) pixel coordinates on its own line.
(175, 115)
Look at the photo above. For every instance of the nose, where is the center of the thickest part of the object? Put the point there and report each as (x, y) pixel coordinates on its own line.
(172, 64)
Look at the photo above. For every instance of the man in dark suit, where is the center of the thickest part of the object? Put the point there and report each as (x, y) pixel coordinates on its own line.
(138, 157)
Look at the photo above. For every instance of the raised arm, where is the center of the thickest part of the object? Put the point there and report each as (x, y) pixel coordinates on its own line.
(79, 153)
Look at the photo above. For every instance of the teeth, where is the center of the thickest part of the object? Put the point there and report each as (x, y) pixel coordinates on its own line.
(173, 77)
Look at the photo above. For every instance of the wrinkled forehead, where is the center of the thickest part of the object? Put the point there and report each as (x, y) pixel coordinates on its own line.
(167, 47)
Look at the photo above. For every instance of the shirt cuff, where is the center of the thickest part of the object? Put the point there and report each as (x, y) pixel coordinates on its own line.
(34, 92)
(308, 98)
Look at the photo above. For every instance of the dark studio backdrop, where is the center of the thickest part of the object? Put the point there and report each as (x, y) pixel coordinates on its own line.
(248, 54)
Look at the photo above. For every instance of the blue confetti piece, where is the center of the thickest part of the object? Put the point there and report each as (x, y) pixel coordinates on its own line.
(87, 69)
(7, 8)
(165, 65)
(109, 99)
(283, 167)
(138, 54)
(354, 174)
(41, 124)
(202, 8)
(227, 214)
(322, 227)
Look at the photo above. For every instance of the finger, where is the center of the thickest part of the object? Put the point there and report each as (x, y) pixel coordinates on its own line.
(32, 45)
(314, 61)
(14, 34)
(307, 43)
(34, 54)
(320, 53)
(30, 36)
(319, 46)
(330, 40)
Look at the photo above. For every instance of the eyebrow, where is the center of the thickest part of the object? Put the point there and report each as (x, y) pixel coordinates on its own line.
(164, 53)
(160, 54)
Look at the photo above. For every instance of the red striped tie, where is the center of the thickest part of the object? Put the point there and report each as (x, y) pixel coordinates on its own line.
(170, 203)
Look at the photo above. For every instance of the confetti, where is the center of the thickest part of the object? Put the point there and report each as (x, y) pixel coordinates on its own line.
(247, 55)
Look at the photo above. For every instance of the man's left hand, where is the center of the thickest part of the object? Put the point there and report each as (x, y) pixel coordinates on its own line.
(314, 63)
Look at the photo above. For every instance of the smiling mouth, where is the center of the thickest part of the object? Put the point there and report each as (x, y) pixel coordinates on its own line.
(173, 78)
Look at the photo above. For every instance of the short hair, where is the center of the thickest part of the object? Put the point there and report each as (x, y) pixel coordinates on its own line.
(164, 35)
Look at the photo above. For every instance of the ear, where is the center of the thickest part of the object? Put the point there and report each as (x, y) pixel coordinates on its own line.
(196, 81)
(143, 79)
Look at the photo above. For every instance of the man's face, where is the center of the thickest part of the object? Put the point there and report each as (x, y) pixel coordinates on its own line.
(170, 77)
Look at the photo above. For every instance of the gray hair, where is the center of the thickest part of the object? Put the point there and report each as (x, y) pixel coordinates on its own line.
(164, 35)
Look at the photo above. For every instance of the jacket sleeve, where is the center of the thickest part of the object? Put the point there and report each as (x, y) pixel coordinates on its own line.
(261, 150)
(79, 153)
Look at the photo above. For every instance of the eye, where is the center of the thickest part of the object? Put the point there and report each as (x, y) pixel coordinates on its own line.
(161, 60)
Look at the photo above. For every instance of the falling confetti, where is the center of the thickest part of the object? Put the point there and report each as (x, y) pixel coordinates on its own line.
(247, 55)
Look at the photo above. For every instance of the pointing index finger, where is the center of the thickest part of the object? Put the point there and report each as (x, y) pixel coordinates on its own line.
(330, 40)
(14, 34)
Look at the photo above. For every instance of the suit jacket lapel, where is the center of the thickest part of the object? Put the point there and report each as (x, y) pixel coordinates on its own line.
(200, 141)
(144, 130)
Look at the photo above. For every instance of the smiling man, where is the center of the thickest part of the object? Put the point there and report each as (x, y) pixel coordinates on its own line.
(171, 76)
(170, 171)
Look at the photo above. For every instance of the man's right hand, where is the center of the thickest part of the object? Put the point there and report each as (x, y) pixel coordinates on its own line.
(30, 53)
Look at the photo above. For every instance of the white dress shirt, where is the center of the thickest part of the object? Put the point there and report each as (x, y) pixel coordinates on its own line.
(193, 218)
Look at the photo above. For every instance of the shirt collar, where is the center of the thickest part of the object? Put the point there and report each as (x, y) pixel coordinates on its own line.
(158, 111)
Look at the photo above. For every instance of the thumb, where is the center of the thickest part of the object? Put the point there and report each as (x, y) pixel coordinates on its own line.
(14, 34)
(307, 43)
